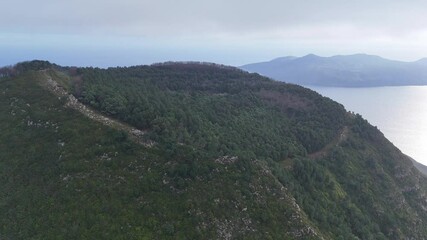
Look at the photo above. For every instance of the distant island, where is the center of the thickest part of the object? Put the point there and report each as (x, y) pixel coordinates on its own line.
(359, 70)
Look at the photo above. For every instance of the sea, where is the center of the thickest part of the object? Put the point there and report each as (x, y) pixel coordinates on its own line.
(399, 112)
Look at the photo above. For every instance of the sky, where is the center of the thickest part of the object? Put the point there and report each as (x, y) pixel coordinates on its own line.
(233, 32)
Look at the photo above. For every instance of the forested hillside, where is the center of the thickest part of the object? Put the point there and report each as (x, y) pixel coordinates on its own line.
(232, 155)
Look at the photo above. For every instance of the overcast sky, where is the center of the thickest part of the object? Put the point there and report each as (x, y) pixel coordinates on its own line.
(235, 32)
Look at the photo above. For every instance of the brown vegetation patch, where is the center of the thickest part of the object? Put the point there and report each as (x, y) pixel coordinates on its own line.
(285, 100)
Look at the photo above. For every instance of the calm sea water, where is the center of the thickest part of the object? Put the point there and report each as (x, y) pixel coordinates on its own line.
(399, 112)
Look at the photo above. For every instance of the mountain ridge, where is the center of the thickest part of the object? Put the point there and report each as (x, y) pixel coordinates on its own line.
(357, 70)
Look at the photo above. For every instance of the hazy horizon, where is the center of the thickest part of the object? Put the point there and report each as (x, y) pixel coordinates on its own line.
(132, 60)
(130, 32)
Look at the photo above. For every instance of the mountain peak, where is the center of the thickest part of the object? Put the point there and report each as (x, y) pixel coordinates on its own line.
(311, 55)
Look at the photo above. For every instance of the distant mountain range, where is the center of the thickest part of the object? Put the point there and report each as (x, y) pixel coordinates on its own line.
(422, 168)
(359, 70)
